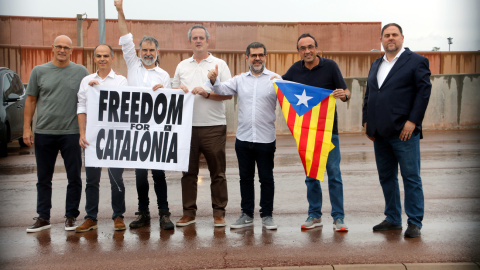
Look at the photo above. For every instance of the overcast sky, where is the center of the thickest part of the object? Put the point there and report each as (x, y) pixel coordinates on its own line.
(426, 23)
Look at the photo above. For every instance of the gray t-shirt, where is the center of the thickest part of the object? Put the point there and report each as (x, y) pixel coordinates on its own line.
(56, 91)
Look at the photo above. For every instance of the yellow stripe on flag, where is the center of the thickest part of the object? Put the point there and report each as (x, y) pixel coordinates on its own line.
(297, 129)
(327, 137)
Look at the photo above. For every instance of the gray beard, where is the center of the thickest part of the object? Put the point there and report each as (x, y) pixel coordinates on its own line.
(148, 62)
(257, 71)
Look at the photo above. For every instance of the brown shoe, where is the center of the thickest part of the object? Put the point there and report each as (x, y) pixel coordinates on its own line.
(185, 220)
(87, 225)
(39, 225)
(70, 224)
(119, 224)
(218, 221)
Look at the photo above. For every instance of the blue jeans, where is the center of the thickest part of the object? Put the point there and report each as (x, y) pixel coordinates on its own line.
(92, 192)
(46, 152)
(389, 153)
(263, 154)
(335, 186)
(159, 184)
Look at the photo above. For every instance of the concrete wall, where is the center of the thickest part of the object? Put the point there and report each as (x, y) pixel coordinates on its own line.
(454, 104)
(22, 59)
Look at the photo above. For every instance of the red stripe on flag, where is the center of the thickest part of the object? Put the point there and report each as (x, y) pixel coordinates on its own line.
(322, 116)
(280, 97)
(292, 114)
(302, 145)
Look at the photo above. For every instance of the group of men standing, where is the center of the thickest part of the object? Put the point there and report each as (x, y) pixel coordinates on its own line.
(399, 93)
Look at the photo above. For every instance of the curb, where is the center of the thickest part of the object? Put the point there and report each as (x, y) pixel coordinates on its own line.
(400, 266)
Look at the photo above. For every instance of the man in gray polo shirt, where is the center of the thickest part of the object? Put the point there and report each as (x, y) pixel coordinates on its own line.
(52, 91)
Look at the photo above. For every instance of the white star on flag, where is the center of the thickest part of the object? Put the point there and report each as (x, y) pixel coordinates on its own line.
(303, 99)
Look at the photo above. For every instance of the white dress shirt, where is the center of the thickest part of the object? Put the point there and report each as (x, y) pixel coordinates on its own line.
(138, 75)
(189, 72)
(386, 66)
(111, 79)
(257, 101)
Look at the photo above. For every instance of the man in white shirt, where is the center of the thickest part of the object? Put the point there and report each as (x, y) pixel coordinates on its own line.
(103, 57)
(144, 71)
(209, 129)
(256, 135)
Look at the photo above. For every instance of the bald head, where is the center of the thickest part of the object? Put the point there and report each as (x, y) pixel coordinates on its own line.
(63, 39)
(62, 49)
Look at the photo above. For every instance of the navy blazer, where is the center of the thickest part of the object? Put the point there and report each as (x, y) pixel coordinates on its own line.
(403, 96)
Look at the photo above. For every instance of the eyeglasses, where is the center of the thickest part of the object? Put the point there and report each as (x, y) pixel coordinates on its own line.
(261, 55)
(309, 47)
(58, 47)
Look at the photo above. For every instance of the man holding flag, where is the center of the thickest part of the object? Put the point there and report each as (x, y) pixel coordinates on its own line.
(316, 71)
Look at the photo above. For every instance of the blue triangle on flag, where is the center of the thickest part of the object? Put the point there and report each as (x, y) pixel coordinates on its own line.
(302, 97)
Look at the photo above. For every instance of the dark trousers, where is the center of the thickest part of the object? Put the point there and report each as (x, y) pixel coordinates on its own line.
(211, 142)
(249, 153)
(159, 184)
(46, 152)
(391, 152)
(92, 192)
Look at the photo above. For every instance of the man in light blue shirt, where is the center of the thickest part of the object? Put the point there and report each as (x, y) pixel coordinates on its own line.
(255, 142)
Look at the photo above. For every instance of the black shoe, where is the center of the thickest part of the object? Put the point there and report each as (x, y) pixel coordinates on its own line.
(70, 224)
(412, 231)
(386, 226)
(165, 222)
(39, 225)
(143, 219)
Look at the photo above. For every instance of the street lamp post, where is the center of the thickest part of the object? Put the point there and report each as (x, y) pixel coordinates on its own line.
(449, 42)
(101, 22)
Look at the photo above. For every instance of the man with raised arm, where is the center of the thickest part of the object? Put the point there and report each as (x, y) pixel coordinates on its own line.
(144, 71)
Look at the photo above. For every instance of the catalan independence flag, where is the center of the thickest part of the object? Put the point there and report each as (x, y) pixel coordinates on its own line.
(309, 112)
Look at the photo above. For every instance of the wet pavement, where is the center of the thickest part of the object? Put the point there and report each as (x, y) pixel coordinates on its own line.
(451, 232)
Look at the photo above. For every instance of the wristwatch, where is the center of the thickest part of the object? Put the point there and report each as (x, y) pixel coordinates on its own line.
(346, 97)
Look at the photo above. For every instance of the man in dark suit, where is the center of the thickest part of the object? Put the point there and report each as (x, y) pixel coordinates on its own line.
(398, 90)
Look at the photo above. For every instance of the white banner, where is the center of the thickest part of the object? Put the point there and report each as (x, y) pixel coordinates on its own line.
(135, 127)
